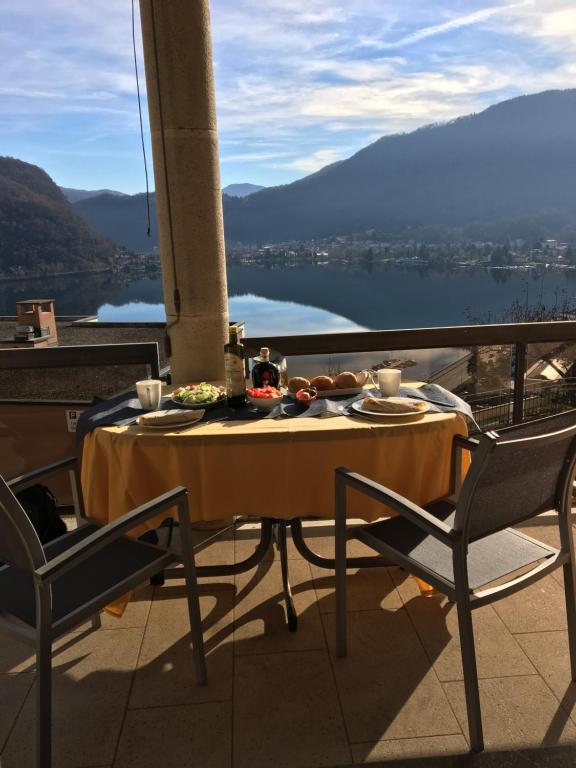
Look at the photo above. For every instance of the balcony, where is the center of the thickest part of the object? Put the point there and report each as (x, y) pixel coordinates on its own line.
(125, 693)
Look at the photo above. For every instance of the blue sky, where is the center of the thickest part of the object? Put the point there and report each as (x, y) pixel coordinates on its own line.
(301, 85)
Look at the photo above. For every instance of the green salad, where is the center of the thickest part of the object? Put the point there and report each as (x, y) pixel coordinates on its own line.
(198, 394)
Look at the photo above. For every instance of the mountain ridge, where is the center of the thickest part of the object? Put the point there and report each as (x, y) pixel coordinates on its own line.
(498, 173)
(241, 190)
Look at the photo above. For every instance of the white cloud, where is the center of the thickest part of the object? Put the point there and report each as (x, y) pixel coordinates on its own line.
(317, 160)
(300, 83)
(456, 23)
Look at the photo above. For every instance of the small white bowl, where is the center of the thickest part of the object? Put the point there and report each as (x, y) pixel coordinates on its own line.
(264, 403)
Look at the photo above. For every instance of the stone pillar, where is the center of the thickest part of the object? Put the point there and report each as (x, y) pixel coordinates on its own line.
(182, 109)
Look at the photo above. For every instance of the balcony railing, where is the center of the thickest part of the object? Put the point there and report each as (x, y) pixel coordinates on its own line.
(511, 405)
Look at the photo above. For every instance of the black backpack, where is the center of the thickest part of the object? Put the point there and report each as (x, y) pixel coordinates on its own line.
(40, 506)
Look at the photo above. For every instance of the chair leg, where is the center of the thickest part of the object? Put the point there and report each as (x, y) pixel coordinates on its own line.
(44, 701)
(340, 579)
(470, 676)
(570, 592)
(196, 626)
(192, 592)
(96, 621)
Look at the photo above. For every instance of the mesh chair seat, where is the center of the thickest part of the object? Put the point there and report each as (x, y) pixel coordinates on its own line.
(105, 569)
(489, 558)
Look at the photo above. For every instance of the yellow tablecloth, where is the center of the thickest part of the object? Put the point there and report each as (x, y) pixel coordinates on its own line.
(273, 468)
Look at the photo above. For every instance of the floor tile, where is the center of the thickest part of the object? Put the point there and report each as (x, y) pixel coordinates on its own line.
(386, 684)
(549, 653)
(247, 538)
(286, 712)
(259, 614)
(409, 749)
(517, 712)
(213, 547)
(136, 613)
(15, 655)
(497, 652)
(13, 691)
(323, 545)
(92, 678)
(165, 674)
(367, 589)
(192, 736)
(539, 607)
(547, 533)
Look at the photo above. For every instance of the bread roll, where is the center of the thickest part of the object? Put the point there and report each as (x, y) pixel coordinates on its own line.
(297, 382)
(346, 380)
(322, 382)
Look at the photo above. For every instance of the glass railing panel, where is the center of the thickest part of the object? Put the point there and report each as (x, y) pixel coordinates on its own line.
(550, 380)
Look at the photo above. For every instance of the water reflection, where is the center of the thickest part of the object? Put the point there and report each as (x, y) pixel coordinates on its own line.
(308, 298)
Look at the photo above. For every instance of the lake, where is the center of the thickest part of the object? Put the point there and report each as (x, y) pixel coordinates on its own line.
(319, 299)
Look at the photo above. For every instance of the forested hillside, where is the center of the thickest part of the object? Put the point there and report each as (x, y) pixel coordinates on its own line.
(39, 231)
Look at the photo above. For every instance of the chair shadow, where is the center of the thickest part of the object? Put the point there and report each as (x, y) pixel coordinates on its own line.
(75, 700)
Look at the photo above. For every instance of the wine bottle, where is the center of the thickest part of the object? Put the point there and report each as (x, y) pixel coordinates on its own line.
(234, 370)
(265, 373)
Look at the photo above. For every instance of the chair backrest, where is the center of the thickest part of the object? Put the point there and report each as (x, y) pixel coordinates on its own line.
(19, 542)
(517, 474)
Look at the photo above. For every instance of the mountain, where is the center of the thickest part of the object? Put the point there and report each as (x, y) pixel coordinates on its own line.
(241, 190)
(508, 168)
(39, 231)
(508, 171)
(124, 219)
(74, 195)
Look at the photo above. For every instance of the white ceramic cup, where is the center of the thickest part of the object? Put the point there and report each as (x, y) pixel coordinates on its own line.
(149, 393)
(389, 381)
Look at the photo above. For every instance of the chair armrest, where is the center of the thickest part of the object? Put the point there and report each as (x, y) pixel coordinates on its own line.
(459, 444)
(468, 443)
(17, 483)
(91, 544)
(400, 504)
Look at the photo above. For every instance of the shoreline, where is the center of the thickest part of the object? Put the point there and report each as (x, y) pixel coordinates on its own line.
(48, 275)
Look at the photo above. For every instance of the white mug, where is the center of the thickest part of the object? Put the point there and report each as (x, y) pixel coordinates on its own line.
(389, 381)
(149, 393)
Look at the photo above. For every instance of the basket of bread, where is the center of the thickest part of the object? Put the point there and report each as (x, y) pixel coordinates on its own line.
(346, 383)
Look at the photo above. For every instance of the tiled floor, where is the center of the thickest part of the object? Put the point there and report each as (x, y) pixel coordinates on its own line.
(125, 694)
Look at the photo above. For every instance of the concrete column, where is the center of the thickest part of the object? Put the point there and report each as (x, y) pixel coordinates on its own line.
(181, 103)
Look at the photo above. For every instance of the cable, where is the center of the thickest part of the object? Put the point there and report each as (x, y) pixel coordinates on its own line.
(141, 123)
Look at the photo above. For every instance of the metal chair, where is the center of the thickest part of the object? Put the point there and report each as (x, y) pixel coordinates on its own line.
(461, 547)
(46, 591)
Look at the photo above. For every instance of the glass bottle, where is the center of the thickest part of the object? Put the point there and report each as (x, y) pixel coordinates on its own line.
(234, 370)
(265, 373)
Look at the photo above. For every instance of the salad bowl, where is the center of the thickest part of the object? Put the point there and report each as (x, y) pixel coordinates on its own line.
(202, 395)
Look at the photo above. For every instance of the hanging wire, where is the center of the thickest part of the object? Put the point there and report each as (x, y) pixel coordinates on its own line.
(141, 123)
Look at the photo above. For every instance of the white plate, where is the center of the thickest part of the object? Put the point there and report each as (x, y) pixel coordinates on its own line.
(174, 425)
(357, 406)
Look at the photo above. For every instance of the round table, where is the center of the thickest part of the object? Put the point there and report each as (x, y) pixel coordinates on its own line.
(278, 468)
(275, 469)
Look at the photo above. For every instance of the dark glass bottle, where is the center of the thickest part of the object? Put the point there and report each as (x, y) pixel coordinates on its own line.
(234, 368)
(265, 373)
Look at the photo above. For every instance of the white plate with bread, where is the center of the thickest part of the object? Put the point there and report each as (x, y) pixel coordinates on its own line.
(395, 407)
(346, 383)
